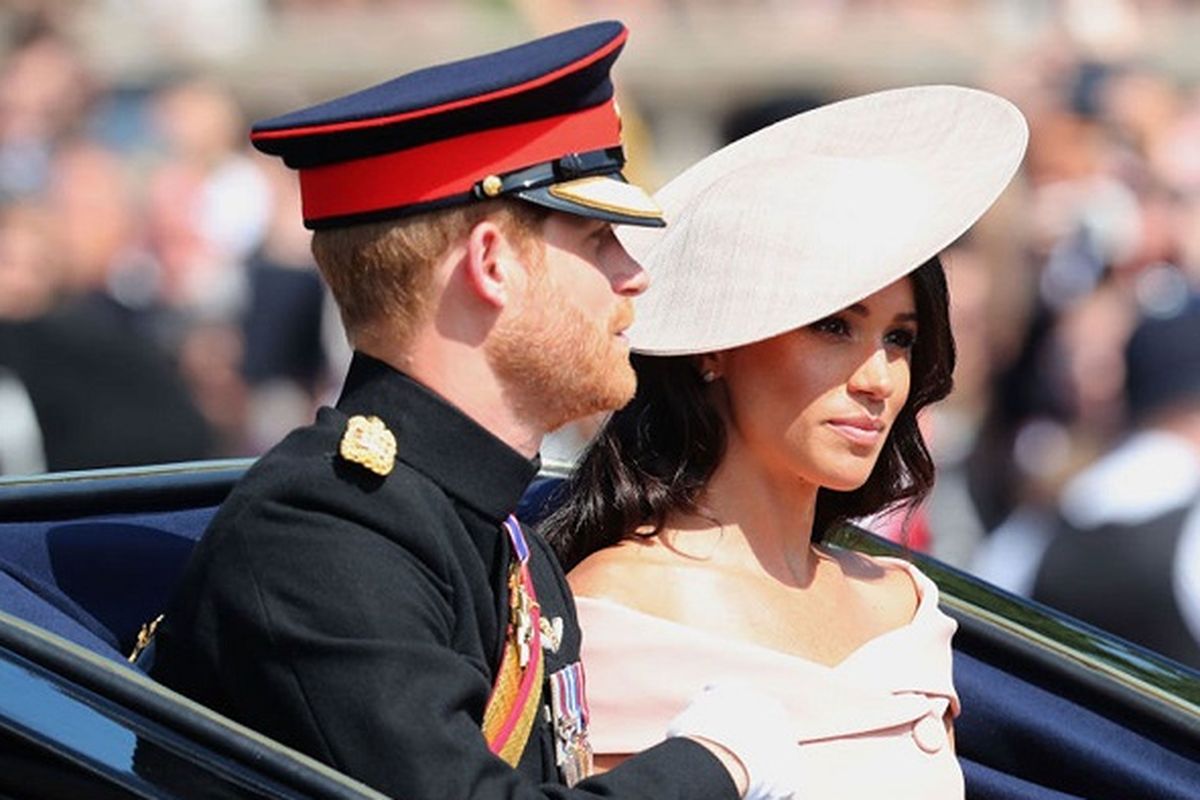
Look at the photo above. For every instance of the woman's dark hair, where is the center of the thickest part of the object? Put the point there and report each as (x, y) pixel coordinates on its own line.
(655, 456)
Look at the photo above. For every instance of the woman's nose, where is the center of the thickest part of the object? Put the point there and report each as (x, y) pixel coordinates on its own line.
(874, 376)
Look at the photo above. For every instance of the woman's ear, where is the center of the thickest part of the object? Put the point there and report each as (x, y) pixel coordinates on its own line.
(491, 264)
(710, 366)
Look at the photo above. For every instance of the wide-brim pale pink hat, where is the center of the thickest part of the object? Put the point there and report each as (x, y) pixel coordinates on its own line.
(812, 214)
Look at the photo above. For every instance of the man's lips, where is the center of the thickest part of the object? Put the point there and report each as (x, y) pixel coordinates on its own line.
(622, 319)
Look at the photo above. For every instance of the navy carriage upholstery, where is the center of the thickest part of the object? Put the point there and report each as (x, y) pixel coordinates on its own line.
(93, 559)
(95, 581)
(93, 556)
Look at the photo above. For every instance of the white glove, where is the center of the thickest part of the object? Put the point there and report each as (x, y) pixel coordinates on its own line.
(752, 726)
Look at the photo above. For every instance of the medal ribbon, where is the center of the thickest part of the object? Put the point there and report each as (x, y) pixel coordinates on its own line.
(571, 694)
(573, 751)
(512, 706)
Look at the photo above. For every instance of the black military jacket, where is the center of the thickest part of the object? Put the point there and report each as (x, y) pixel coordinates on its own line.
(360, 619)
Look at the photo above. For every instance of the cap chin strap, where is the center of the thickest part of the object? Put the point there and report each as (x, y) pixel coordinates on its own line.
(608, 161)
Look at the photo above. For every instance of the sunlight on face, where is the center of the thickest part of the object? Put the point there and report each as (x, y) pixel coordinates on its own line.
(819, 402)
(566, 345)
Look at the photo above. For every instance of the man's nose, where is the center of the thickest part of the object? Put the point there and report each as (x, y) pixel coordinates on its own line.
(628, 277)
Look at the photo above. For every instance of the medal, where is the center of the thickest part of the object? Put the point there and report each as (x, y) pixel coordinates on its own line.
(517, 692)
(520, 595)
(568, 701)
(522, 613)
(552, 633)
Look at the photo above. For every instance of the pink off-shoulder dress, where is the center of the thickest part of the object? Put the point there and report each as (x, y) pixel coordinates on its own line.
(869, 727)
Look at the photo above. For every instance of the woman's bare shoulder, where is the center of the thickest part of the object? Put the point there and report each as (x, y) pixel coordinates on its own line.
(606, 570)
(887, 585)
(631, 573)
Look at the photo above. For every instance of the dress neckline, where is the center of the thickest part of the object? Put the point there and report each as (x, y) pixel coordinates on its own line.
(925, 601)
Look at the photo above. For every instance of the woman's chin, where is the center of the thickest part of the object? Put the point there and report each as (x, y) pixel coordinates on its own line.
(845, 482)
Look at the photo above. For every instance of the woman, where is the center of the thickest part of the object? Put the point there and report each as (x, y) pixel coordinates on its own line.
(787, 346)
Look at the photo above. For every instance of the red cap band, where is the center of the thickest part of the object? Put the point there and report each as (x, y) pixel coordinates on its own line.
(451, 167)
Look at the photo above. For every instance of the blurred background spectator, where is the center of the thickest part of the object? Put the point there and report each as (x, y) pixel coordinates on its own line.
(158, 301)
(1123, 549)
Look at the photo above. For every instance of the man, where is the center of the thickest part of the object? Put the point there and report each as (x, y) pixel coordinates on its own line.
(364, 595)
(1126, 554)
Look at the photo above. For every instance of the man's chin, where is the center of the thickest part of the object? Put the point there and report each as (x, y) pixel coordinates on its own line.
(622, 384)
(617, 395)
(597, 396)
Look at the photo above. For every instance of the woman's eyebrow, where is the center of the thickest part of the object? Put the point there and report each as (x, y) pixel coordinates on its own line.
(862, 311)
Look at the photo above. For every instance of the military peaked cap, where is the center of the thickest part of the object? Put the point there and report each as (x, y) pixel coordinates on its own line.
(537, 122)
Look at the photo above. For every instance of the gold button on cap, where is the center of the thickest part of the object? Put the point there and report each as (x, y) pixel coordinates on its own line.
(491, 185)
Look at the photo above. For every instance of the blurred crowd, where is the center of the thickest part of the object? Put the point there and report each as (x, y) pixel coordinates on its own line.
(158, 301)
(157, 294)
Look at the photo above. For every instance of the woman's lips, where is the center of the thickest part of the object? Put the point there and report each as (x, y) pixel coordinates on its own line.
(860, 431)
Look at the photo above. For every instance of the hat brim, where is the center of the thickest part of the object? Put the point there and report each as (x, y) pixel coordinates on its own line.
(808, 216)
(606, 197)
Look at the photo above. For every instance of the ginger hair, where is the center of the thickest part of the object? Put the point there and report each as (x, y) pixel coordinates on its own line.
(381, 273)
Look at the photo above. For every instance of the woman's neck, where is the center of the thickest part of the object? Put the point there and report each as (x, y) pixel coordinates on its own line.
(752, 517)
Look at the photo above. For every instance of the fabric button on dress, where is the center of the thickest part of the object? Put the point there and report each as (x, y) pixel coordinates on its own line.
(930, 734)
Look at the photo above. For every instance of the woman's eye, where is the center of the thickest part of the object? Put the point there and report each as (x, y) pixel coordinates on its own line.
(835, 326)
(902, 338)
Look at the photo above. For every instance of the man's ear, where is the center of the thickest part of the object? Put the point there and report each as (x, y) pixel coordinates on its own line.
(492, 263)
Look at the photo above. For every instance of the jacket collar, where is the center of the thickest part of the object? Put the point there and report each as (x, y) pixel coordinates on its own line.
(438, 440)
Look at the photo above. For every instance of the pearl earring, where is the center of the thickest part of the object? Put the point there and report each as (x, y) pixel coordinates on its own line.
(708, 376)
